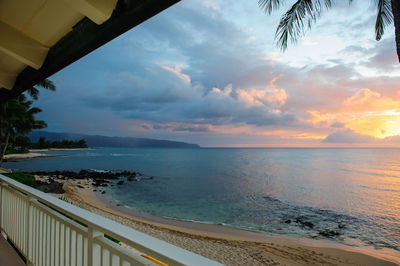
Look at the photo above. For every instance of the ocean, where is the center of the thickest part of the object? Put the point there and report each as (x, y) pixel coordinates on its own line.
(351, 196)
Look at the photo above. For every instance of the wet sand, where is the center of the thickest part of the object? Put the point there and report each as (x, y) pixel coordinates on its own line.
(225, 244)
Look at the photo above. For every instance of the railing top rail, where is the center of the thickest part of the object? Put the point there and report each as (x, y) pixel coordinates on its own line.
(139, 240)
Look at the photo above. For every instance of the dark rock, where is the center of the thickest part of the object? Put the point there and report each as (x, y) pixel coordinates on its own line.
(328, 233)
(341, 226)
(304, 223)
(147, 178)
(79, 186)
(100, 179)
(51, 187)
(308, 224)
(288, 221)
(103, 192)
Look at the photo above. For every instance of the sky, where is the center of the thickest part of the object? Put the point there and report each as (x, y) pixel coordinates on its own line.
(210, 72)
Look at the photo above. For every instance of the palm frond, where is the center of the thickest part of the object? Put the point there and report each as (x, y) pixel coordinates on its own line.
(47, 84)
(297, 19)
(292, 23)
(34, 110)
(34, 93)
(383, 18)
(39, 124)
(269, 5)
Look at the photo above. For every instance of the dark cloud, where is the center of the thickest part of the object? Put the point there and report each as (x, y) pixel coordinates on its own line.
(348, 136)
(384, 56)
(146, 127)
(181, 128)
(191, 128)
(338, 125)
(206, 51)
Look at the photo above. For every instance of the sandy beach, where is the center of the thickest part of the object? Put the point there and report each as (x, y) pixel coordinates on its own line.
(60, 149)
(27, 155)
(225, 244)
(33, 153)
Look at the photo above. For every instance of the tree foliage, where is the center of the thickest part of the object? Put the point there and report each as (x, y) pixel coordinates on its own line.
(17, 117)
(303, 13)
(45, 144)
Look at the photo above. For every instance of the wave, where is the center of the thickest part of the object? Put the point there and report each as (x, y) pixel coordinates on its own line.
(125, 154)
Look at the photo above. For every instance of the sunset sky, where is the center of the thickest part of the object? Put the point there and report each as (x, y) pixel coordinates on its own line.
(209, 72)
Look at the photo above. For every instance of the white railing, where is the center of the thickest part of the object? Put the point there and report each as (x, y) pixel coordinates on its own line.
(49, 231)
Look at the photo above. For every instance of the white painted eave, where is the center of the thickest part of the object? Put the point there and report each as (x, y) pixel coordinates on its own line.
(28, 29)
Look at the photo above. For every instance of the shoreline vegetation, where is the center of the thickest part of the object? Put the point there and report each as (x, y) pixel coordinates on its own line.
(23, 145)
(224, 244)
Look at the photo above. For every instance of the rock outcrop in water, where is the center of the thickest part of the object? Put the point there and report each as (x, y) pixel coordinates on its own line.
(304, 223)
(322, 232)
(52, 181)
(329, 233)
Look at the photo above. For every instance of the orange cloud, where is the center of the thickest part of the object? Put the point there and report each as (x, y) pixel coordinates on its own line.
(366, 112)
(366, 100)
(270, 95)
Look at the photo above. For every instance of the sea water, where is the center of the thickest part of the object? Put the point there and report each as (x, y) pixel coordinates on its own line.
(347, 195)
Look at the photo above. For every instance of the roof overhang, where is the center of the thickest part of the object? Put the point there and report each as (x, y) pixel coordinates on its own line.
(39, 38)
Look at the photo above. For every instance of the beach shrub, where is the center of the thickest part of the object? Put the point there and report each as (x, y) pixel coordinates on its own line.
(17, 151)
(26, 179)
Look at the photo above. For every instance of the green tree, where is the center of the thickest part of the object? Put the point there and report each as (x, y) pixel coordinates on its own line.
(17, 117)
(45, 84)
(82, 143)
(303, 13)
(42, 143)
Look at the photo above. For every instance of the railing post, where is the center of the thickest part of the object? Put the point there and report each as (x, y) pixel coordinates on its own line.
(92, 234)
(28, 219)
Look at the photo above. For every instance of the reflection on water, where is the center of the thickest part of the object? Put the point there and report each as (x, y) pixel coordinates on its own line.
(342, 194)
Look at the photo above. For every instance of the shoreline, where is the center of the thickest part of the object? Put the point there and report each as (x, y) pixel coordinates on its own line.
(28, 155)
(33, 153)
(229, 245)
(60, 149)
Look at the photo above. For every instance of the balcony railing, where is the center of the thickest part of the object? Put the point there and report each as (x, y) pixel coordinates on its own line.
(49, 231)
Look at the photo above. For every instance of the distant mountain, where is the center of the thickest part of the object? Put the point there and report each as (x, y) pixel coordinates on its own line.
(103, 141)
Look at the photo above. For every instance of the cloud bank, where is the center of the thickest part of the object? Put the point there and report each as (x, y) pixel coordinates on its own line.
(209, 73)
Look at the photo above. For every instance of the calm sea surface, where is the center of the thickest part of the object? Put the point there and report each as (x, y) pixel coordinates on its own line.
(354, 192)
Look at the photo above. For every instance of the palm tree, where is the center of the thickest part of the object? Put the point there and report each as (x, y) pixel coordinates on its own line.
(45, 84)
(17, 117)
(10, 112)
(304, 13)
